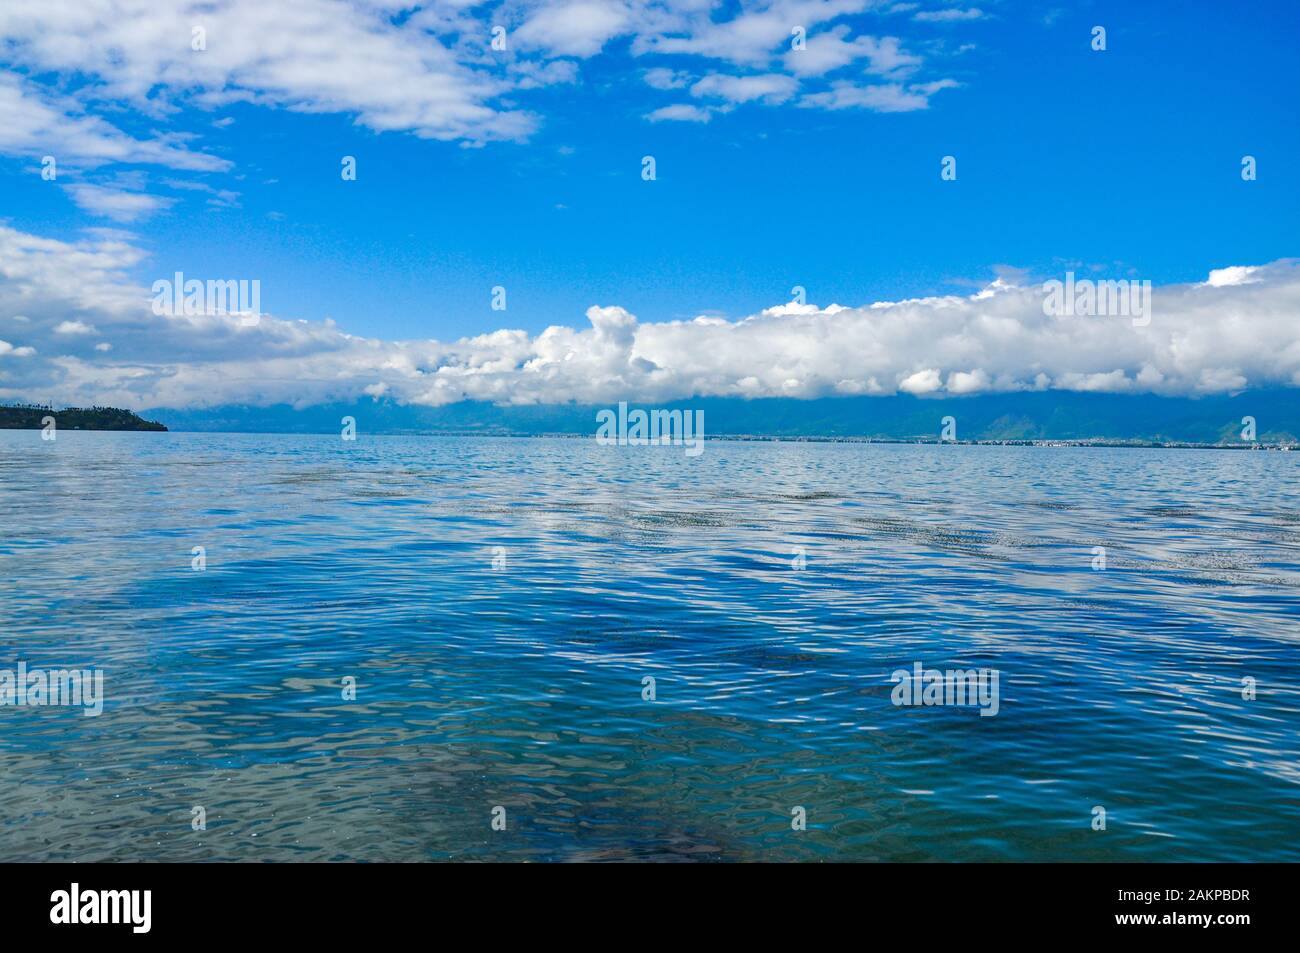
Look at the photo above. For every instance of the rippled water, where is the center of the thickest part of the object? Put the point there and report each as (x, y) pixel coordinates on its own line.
(521, 686)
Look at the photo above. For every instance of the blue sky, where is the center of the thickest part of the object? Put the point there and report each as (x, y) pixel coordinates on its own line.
(1122, 163)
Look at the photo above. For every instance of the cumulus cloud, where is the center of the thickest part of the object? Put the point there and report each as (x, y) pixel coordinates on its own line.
(60, 302)
(73, 327)
(1224, 277)
(922, 382)
(577, 28)
(7, 349)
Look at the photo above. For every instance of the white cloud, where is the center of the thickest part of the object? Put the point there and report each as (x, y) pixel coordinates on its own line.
(117, 204)
(681, 112)
(1225, 277)
(8, 350)
(82, 73)
(661, 78)
(769, 87)
(578, 28)
(960, 382)
(309, 56)
(526, 74)
(1202, 338)
(36, 123)
(750, 38)
(73, 327)
(882, 97)
(826, 52)
(952, 15)
(922, 382)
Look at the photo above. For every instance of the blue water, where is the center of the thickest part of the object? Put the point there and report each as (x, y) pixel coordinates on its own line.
(521, 686)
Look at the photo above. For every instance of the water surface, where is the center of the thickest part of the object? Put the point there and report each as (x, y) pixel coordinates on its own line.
(519, 683)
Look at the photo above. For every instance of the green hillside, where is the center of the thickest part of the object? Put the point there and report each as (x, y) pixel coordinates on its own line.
(29, 417)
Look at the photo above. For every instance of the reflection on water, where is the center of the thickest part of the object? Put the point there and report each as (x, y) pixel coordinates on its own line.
(521, 686)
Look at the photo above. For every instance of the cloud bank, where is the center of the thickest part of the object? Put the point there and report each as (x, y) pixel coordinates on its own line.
(74, 329)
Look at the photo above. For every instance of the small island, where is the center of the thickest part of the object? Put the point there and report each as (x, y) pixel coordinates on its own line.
(31, 417)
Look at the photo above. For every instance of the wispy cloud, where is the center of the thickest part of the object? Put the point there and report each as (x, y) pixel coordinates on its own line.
(310, 55)
(826, 52)
(431, 72)
(769, 87)
(119, 205)
(879, 97)
(34, 122)
(950, 15)
(680, 112)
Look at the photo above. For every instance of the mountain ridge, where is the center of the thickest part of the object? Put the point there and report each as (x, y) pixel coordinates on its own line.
(1034, 416)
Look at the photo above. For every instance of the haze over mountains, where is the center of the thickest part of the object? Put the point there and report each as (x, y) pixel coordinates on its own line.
(1051, 415)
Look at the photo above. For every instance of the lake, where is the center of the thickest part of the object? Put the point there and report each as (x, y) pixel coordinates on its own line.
(431, 648)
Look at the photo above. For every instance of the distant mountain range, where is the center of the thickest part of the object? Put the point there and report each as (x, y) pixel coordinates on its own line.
(1047, 415)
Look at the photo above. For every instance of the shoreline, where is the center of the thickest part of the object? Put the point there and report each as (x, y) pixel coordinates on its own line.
(1096, 443)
